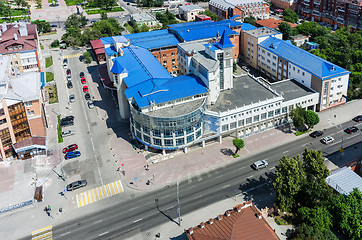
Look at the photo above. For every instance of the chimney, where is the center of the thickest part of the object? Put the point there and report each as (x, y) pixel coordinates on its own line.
(16, 24)
(219, 217)
(4, 27)
(191, 231)
(211, 220)
(202, 225)
(259, 215)
(227, 213)
(15, 37)
(238, 208)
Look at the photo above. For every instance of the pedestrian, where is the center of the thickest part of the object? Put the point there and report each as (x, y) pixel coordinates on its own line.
(49, 208)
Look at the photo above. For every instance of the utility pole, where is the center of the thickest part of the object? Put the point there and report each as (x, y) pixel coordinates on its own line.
(178, 205)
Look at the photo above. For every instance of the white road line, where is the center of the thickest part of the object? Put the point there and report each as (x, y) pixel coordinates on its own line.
(219, 176)
(271, 168)
(241, 168)
(226, 186)
(137, 220)
(199, 196)
(98, 221)
(250, 176)
(102, 234)
(64, 234)
(285, 151)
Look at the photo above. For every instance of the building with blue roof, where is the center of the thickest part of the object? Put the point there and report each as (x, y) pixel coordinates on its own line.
(282, 60)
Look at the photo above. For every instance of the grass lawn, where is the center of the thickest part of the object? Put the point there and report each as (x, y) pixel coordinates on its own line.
(73, 2)
(18, 12)
(48, 33)
(48, 61)
(302, 132)
(41, 47)
(59, 130)
(91, 7)
(13, 19)
(97, 11)
(49, 76)
(53, 96)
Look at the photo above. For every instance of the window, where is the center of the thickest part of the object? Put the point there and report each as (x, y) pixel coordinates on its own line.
(256, 118)
(29, 103)
(232, 125)
(270, 114)
(190, 138)
(303, 73)
(225, 128)
(248, 120)
(164, 55)
(284, 109)
(167, 133)
(146, 130)
(147, 139)
(277, 112)
(165, 62)
(156, 133)
(157, 141)
(180, 141)
(241, 123)
(168, 142)
(179, 132)
(31, 113)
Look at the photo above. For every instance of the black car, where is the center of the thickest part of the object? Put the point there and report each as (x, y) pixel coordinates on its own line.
(357, 118)
(81, 58)
(81, 74)
(77, 184)
(316, 134)
(67, 118)
(53, 25)
(69, 84)
(87, 96)
(350, 130)
(66, 123)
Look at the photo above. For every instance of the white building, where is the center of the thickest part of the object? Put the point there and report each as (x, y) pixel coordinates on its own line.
(188, 12)
(144, 19)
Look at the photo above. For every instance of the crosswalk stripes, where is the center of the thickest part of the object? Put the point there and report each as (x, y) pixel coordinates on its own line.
(73, 55)
(43, 233)
(99, 193)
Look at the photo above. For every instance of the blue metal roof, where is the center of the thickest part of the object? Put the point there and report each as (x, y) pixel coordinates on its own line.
(117, 67)
(202, 33)
(141, 65)
(110, 51)
(107, 40)
(164, 90)
(42, 79)
(307, 61)
(224, 41)
(153, 39)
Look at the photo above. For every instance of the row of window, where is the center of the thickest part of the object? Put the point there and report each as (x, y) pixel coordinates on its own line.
(169, 142)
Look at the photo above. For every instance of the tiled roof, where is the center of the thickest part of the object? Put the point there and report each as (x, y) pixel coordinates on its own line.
(244, 222)
(272, 23)
(304, 59)
(28, 42)
(96, 44)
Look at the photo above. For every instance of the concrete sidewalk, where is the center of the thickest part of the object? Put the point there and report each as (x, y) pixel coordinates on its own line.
(132, 163)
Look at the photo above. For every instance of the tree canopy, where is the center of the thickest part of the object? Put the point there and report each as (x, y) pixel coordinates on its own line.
(251, 20)
(305, 232)
(290, 16)
(238, 143)
(213, 16)
(166, 18)
(286, 30)
(311, 118)
(42, 27)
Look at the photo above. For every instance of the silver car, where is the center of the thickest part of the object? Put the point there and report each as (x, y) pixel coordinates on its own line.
(260, 164)
(67, 133)
(77, 184)
(327, 140)
(71, 98)
(90, 104)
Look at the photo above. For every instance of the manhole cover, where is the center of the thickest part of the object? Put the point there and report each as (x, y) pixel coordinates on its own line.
(132, 196)
(79, 224)
(148, 234)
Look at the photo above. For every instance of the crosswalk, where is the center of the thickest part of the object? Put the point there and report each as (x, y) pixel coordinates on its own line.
(73, 55)
(99, 193)
(43, 233)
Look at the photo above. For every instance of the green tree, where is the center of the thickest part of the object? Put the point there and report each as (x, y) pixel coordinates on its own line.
(18, 3)
(290, 16)
(238, 144)
(297, 116)
(318, 217)
(55, 43)
(286, 30)
(305, 232)
(144, 28)
(348, 213)
(75, 21)
(104, 16)
(212, 15)
(311, 118)
(87, 57)
(288, 181)
(251, 20)
(42, 27)
(313, 164)
(39, 3)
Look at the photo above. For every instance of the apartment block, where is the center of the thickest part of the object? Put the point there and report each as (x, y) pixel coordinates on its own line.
(284, 4)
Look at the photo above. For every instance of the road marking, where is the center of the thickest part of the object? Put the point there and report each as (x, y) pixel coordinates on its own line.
(285, 151)
(102, 234)
(43, 233)
(64, 234)
(271, 168)
(241, 168)
(219, 176)
(250, 176)
(199, 196)
(98, 221)
(226, 186)
(99, 193)
(137, 220)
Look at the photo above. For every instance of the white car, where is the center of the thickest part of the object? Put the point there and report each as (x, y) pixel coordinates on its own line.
(327, 140)
(260, 164)
(67, 133)
(90, 104)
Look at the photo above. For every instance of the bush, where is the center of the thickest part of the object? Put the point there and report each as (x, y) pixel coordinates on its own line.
(87, 57)
(55, 43)
(59, 130)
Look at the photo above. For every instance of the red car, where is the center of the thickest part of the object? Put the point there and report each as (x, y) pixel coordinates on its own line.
(68, 71)
(70, 148)
(83, 80)
(85, 89)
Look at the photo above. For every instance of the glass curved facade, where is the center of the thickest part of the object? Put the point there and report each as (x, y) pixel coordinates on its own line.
(168, 132)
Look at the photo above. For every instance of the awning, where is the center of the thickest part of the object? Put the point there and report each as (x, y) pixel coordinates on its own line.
(42, 79)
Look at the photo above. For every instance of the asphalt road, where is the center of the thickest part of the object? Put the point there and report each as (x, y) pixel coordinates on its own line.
(145, 212)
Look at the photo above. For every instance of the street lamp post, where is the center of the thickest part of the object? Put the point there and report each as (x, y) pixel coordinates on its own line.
(178, 205)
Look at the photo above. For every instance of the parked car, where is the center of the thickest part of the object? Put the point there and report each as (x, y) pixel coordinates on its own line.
(316, 134)
(73, 154)
(53, 25)
(71, 98)
(67, 118)
(66, 123)
(93, 21)
(70, 148)
(69, 84)
(77, 184)
(67, 133)
(260, 164)
(83, 80)
(68, 71)
(69, 77)
(87, 96)
(350, 130)
(81, 74)
(357, 118)
(65, 63)
(90, 104)
(85, 89)
(81, 58)
(327, 140)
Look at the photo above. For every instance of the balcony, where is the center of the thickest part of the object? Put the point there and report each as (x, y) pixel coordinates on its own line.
(316, 13)
(317, 2)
